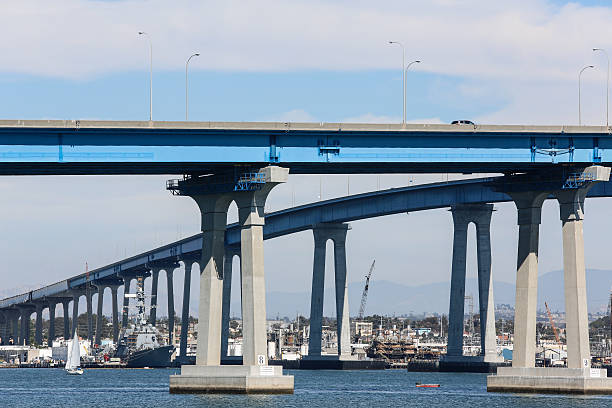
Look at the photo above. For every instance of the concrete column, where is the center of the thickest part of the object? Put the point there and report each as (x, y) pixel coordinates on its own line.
(153, 303)
(342, 306)
(126, 301)
(99, 311)
(65, 304)
(488, 343)
(251, 218)
(317, 293)
(39, 323)
(571, 206)
(213, 208)
(16, 329)
(185, 311)
(3, 327)
(51, 335)
(115, 313)
(170, 285)
(457, 292)
(75, 313)
(25, 326)
(88, 298)
(529, 207)
(227, 297)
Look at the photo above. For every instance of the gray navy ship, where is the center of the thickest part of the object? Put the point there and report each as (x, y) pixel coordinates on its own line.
(140, 344)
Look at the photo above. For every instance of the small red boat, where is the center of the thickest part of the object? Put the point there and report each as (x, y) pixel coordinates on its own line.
(419, 385)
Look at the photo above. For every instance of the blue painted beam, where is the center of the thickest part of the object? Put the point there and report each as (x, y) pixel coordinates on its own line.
(107, 147)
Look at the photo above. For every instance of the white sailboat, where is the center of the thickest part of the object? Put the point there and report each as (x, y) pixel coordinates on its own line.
(73, 360)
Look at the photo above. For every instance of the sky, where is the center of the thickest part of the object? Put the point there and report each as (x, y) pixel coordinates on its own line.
(270, 60)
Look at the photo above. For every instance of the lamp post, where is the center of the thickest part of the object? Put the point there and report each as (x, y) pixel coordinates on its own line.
(150, 73)
(197, 54)
(406, 82)
(607, 85)
(579, 95)
(403, 79)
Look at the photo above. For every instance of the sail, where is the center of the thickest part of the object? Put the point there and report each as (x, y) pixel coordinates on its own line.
(74, 354)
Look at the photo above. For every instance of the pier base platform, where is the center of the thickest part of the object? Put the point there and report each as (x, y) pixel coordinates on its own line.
(338, 363)
(471, 364)
(550, 380)
(231, 380)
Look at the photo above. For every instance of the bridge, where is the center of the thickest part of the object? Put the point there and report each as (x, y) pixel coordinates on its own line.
(142, 147)
(242, 162)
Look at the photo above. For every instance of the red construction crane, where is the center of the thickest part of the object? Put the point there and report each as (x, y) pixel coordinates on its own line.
(552, 323)
(364, 296)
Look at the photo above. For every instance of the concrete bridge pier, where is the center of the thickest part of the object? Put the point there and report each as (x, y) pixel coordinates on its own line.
(26, 314)
(115, 306)
(578, 377)
(16, 327)
(51, 335)
(153, 302)
(75, 312)
(65, 304)
(230, 252)
(255, 375)
(480, 216)
(188, 264)
(88, 297)
(315, 359)
(126, 301)
(99, 310)
(38, 335)
(170, 287)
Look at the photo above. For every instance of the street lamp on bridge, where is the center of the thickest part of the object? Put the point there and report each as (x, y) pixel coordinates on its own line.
(197, 54)
(150, 73)
(579, 91)
(406, 82)
(607, 85)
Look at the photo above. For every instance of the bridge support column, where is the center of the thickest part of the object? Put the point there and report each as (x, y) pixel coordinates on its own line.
(185, 311)
(571, 206)
(99, 316)
(322, 233)
(529, 207)
(153, 303)
(88, 298)
(16, 327)
(65, 304)
(51, 335)
(75, 313)
(115, 305)
(39, 323)
(463, 215)
(170, 286)
(254, 376)
(214, 220)
(578, 377)
(126, 301)
(227, 297)
(26, 314)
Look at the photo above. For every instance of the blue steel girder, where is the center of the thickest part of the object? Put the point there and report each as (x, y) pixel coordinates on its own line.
(107, 147)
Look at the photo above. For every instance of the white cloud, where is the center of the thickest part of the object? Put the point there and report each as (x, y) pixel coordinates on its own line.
(294, 115)
(524, 38)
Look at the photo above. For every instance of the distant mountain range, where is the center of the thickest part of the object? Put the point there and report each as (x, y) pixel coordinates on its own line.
(391, 298)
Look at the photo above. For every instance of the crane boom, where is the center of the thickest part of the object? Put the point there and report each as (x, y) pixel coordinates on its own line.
(364, 296)
(552, 323)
